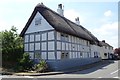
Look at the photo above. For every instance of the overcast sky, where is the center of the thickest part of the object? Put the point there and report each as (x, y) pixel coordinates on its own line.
(100, 18)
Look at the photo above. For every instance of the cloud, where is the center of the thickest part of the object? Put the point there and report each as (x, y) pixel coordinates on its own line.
(108, 32)
(72, 14)
(108, 13)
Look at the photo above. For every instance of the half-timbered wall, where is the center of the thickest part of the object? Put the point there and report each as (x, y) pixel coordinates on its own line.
(71, 47)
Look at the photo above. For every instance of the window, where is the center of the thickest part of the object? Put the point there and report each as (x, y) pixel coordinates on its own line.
(64, 56)
(38, 21)
(81, 54)
(105, 54)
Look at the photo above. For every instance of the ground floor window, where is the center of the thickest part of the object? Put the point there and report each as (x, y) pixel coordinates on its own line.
(64, 55)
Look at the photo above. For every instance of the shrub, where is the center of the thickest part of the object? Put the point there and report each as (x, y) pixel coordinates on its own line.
(25, 63)
(42, 66)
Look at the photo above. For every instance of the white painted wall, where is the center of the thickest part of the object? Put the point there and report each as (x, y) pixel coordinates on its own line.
(31, 47)
(37, 46)
(42, 27)
(44, 36)
(51, 45)
(51, 55)
(44, 55)
(26, 38)
(51, 35)
(25, 47)
(31, 38)
(37, 37)
(44, 46)
(31, 55)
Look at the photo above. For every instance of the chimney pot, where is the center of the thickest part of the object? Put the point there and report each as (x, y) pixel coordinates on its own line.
(103, 41)
(77, 21)
(60, 10)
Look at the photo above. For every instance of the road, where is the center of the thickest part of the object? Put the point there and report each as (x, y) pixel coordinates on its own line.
(102, 71)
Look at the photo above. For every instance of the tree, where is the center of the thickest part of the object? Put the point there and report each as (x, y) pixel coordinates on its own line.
(117, 51)
(12, 46)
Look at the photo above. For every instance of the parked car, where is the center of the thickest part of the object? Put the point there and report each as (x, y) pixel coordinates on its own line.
(115, 57)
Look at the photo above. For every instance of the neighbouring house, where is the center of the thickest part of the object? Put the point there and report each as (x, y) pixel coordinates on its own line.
(62, 43)
(106, 50)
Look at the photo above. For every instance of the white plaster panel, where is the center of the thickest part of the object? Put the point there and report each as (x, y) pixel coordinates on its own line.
(51, 45)
(31, 37)
(58, 55)
(35, 28)
(70, 53)
(31, 54)
(51, 55)
(31, 47)
(37, 37)
(69, 38)
(63, 46)
(26, 38)
(44, 47)
(76, 55)
(73, 53)
(44, 55)
(51, 35)
(58, 36)
(37, 46)
(69, 46)
(25, 47)
(44, 36)
(58, 45)
(66, 46)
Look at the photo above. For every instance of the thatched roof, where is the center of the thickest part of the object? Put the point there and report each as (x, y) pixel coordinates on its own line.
(62, 24)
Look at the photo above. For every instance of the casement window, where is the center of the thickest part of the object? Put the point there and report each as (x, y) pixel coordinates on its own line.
(81, 54)
(64, 37)
(64, 55)
(38, 20)
(105, 54)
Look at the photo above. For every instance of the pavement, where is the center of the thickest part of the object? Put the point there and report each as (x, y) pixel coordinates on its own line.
(75, 69)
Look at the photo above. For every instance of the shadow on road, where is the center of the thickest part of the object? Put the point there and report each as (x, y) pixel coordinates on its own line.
(93, 67)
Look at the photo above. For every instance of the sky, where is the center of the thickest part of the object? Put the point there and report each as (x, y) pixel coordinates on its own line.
(100, 17)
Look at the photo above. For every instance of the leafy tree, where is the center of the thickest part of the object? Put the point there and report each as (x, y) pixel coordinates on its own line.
(117, 51)
(12, 46)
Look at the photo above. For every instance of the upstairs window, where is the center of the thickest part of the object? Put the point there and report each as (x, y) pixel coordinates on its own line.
(38, 21)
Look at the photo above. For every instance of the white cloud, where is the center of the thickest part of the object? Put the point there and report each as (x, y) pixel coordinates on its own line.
(72, 14)
(108, 13)
(108, 32)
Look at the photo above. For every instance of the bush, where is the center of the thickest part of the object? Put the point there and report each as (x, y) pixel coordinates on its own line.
(25, 63)
(41, 67)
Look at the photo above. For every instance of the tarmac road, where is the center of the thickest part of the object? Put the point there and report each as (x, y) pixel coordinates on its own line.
(108, 70)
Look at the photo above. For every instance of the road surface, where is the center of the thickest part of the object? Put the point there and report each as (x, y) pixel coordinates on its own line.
(102, 71)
